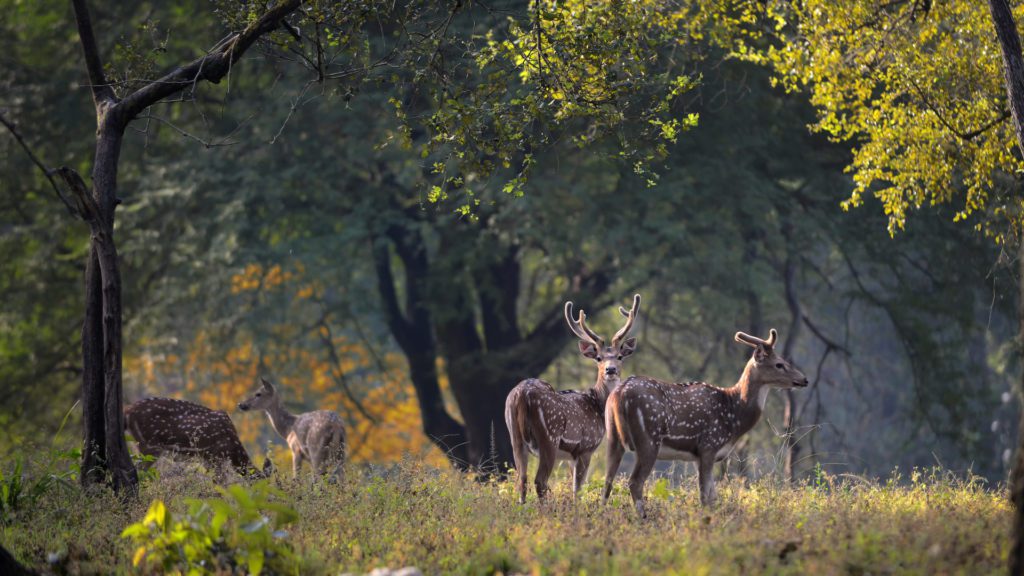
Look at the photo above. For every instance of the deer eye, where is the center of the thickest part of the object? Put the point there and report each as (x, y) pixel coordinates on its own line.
(259, 394)
(619, 357)
(780, 366)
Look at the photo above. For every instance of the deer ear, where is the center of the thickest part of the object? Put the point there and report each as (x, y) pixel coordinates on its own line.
(588, 349)
(762, 352)
(266, 384)
(628, 347)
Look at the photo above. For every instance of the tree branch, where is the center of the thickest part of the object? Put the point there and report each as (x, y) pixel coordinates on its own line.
(211, 67)
(35, 160)
(102, 93)
(87, 207)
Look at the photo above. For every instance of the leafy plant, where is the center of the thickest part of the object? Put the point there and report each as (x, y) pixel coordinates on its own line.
(18, 492)
(242, 531)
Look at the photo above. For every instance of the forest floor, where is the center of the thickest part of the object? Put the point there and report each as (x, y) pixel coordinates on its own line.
(927, 522)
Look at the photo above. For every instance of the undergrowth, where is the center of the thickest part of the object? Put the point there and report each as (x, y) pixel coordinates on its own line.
(925, 522)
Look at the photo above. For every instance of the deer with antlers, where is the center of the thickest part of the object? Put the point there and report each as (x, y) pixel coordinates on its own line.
(693, 420)
(169, 425)
(567, 425)
(318, 436)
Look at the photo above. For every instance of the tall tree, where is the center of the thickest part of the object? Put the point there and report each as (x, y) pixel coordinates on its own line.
(105, 452)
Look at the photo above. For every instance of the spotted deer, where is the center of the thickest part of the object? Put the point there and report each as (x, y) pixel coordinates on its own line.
(317, 436)
(169, 425)
(567, 425)
(693, 420)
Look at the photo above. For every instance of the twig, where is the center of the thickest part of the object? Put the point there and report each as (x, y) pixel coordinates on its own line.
(35, 160)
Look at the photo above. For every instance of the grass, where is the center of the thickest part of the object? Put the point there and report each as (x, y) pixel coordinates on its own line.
(442, 522)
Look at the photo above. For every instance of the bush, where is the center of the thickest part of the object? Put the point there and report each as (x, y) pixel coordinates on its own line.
(231, 534)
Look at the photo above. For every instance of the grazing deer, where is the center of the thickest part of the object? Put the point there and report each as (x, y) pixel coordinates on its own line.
(691, 421)
(161, 425)
(317, 436)
(566, 425)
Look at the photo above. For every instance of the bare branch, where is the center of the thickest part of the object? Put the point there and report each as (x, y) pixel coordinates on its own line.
(211, 67)
(102, 93)
(87, 207)
(829, 343)
(327, 339)
(35, 160)
(206, 143)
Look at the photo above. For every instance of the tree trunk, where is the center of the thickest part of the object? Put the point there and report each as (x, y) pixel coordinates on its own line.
(1013, 70)
(789, 416)
(443, 430)
(93, 416)
(1017, 474)
(101, 332)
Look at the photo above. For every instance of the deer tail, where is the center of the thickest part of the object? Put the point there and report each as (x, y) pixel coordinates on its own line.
(515, 420)
(338, 442)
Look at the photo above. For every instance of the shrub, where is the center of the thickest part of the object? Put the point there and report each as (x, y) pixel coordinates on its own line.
(230, 534)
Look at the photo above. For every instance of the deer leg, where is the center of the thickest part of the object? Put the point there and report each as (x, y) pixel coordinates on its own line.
(547, 453)
(579, 473)
(646, 456)
(706, 468)
(522, 460)
(296, 462)
(615, 452)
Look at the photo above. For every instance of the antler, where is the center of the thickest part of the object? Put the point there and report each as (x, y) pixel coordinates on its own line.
(755, 341)
(630, 318)
(579, 327)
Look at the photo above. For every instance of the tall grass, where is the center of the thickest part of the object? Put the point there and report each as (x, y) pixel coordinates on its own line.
(925, 522)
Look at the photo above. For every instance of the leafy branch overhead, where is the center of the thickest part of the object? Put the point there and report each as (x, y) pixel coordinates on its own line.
(576, 71)
(917, 87)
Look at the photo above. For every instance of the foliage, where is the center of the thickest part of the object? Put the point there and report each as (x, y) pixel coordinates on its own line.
(925, 521)
(580, 69)
(236, 258)
(232, 533)
(916, 87)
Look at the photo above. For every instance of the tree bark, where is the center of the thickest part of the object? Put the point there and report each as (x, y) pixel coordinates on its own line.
(93, 416)
(1013, 70)
(413, 331)
(789, 416)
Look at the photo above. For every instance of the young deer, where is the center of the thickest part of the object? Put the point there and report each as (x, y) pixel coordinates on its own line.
(162, 425)
(692, 420)
(566, 425)
(318, 436)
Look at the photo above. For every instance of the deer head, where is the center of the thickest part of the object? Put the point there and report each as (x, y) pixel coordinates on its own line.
(609, 358)
(264, 397)
(767, 368)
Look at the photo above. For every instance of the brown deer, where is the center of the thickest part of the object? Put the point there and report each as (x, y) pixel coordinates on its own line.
(692, 420)
(317, 436)
(169, 425)
(567, 425)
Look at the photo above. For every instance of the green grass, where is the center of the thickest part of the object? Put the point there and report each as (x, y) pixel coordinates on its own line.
(444, 522)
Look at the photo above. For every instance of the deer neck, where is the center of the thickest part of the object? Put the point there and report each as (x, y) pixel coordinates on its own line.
(750, 396)
(281, 419)
(603, 387)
